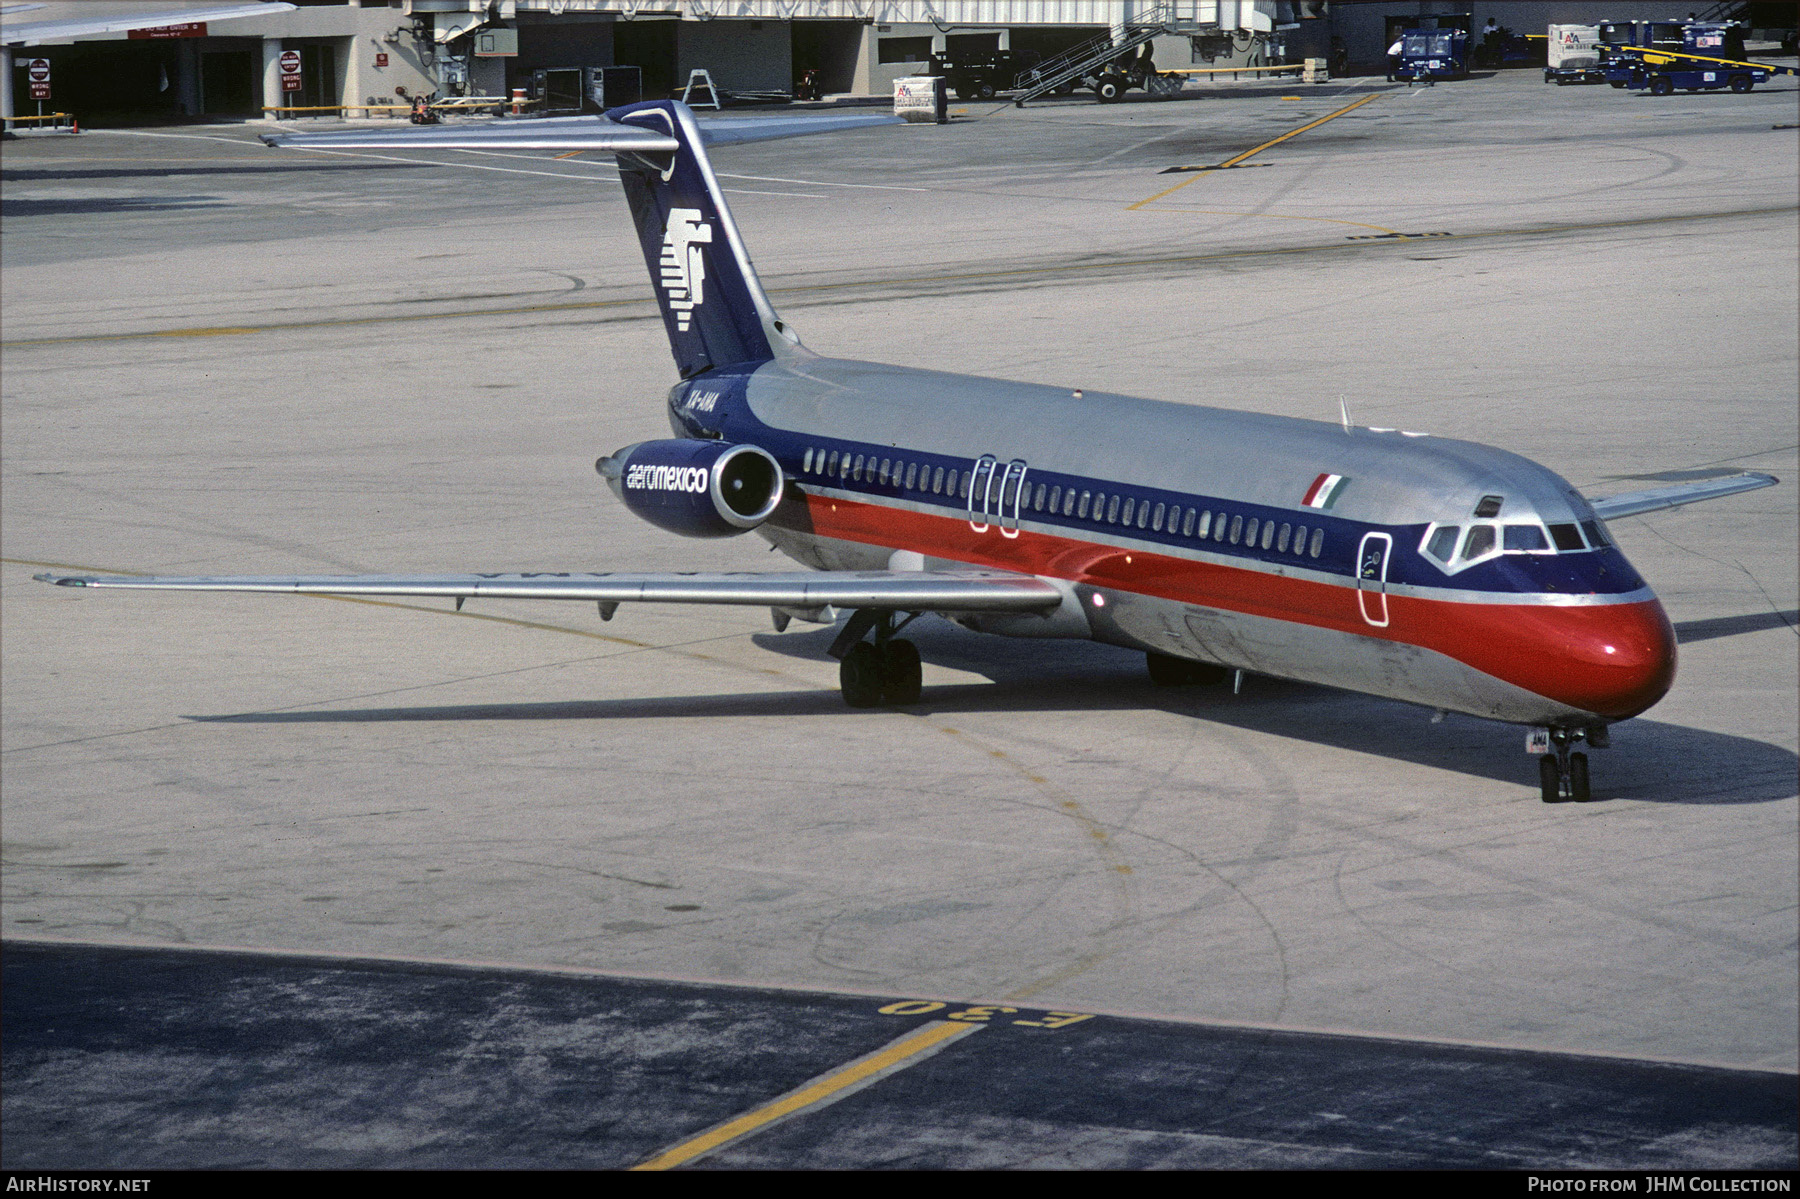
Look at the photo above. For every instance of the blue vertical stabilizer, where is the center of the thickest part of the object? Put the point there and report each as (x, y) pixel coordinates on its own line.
(712, 305)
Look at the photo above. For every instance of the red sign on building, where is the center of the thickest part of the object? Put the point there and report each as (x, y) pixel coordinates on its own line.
(186, 29)
(289, 62)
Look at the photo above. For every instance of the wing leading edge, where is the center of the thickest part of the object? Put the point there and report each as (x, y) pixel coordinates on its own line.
(1636, 503)
(908, 591)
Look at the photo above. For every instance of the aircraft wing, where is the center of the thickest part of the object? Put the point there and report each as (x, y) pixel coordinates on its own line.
(890, 590)
(1635, 503)
(573, 133)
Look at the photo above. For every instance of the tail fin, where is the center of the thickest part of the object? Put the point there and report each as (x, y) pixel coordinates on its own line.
(714, 308)
(716, 312)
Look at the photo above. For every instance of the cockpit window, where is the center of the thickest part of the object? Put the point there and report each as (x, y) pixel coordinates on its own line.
(1525, 539)
(1567, 538)
(1452, 548)
(1595, 534)
(1479, 543)
(1442, 543)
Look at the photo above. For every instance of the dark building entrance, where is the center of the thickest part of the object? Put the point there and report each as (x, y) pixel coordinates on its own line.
(147, 81)
(228, 83)
(828, 47)
(650, 47)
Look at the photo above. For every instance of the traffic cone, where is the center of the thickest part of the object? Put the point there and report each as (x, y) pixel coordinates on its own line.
(74, 124)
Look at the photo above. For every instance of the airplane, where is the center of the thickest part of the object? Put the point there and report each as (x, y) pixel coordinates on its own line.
(1444, 573)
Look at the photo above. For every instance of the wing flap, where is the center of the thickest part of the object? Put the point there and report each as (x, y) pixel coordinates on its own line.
(911, 591)
(1635, 503)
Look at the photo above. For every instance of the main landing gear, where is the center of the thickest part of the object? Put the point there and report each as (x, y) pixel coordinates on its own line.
(1562, 771)
(883, 672)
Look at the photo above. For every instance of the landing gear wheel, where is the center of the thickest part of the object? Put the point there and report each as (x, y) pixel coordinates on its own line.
(901, 678)
(1549, 778)
(1740, 84)
(859, 675)
(1662, 85)
(1578, 778)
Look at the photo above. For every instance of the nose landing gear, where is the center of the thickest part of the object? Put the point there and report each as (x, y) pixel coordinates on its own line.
(884, 672)
(1563, 771)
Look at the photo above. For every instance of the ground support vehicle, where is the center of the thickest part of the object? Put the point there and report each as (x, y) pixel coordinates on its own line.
(1431, 54)
(1572, 55)
(1663, 75)
(1664, 57)
(982, 76)
(1109, 81)
(1620, 41)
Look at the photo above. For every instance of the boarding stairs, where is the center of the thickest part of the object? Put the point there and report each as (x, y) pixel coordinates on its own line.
(1093, 56)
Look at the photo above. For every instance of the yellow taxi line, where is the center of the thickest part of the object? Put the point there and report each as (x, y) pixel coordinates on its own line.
(827, 1088)
(1275, 141)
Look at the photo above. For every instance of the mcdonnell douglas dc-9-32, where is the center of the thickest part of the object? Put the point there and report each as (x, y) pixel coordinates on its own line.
(1444, 573)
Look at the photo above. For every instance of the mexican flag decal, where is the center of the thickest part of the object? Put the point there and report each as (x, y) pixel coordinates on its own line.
(1324, 491)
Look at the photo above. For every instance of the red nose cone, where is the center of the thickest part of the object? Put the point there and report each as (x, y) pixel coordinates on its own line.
(1614, 660)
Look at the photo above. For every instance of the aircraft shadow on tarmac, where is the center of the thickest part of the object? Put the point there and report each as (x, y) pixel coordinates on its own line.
(33, 174)
(95, 207)
(1651, 760)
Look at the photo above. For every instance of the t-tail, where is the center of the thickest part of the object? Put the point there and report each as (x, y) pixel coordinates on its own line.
(714, 309)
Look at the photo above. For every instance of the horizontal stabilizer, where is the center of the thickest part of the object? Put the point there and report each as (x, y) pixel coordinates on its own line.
(1635, 503)
(573, 133)
(910, 591)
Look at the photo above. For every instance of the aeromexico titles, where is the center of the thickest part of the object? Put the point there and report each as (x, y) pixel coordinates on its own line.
(1441, 572)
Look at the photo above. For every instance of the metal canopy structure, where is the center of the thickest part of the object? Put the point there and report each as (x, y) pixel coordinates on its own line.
(1229, 14)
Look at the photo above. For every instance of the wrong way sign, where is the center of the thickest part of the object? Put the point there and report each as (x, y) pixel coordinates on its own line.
(290, 62)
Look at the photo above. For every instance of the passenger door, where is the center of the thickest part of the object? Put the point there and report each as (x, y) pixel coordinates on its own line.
(1371, 577)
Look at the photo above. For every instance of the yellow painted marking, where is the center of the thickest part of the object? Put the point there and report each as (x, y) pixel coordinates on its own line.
(1663, 57)
(820, 1089)
(1276, 141)
(570, 154)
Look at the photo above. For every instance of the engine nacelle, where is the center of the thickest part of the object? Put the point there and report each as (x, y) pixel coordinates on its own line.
(696, 488)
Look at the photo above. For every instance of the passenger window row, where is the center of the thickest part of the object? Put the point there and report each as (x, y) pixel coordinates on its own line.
(885, 471)
(1098, 506)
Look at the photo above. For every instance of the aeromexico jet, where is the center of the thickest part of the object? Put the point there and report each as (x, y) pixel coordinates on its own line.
(1440, 572)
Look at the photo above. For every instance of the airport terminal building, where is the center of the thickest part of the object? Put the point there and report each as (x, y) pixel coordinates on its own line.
(187, 59)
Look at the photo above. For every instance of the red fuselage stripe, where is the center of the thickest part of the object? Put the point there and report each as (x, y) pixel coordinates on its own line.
(1611, 659)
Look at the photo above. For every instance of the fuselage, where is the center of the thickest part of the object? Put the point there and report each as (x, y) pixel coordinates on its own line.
(1436, 571)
